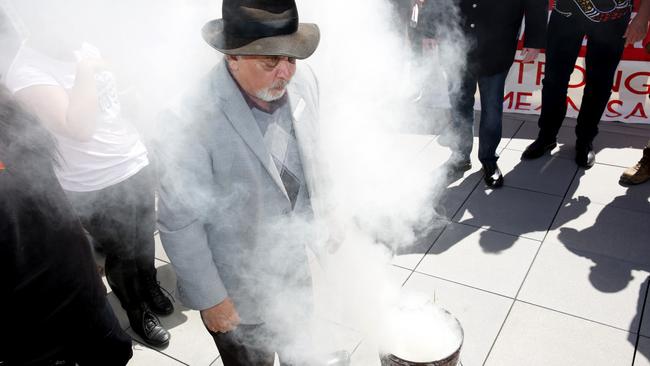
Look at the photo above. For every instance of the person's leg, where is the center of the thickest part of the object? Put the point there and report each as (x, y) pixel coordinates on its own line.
(112, 224)
(491, 89)
(140, 192)
(461, 131)
(102, 217)
(605, 44)
(244, 346)
(564, 40)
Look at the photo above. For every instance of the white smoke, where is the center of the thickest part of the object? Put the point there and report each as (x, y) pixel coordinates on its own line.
(383, 192)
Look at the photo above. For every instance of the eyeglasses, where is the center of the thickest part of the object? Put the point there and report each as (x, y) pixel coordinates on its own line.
(271, 62)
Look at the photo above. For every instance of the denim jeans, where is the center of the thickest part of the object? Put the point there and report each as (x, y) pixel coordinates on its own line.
(461, 94)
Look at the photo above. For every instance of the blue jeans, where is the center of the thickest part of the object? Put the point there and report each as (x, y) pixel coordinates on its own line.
(461, 94)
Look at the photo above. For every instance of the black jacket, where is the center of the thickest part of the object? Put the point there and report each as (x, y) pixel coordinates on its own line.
(491, 28)
(52, 299)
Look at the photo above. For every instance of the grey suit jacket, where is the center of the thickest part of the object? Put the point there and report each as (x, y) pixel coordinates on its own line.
(224, 214)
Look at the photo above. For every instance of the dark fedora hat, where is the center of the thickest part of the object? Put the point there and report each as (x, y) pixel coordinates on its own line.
(262, 27)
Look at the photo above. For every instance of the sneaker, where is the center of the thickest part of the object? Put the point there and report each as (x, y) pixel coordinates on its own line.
(158, 302)
(640, 172)
(147, 325)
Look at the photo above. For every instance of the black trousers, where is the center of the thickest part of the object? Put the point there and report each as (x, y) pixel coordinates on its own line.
(605, 45)
(107, 345)
(249, 345)
(121, 218)
(92, 342)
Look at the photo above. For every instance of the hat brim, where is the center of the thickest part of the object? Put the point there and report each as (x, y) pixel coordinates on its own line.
(300, 44)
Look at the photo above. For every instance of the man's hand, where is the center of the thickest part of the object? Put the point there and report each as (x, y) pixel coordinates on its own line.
(636, 30)
(529, 54)
(429, 44)
(336, 233)
(222, 317)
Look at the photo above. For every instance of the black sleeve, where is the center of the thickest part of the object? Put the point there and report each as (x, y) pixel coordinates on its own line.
(51, 278)
(536, 16)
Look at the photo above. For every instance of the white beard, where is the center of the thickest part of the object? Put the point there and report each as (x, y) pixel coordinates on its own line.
(268, 95)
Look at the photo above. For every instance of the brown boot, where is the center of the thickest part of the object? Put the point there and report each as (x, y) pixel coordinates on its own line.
(640, 172)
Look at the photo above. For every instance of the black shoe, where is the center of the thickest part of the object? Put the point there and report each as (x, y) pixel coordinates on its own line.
(585, 156)
(493, 177)
(538, 148)
(158, 302)
(147, 325)
(457, 166)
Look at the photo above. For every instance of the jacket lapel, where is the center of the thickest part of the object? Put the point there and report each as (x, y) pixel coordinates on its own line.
(303, 119)
(243, 121)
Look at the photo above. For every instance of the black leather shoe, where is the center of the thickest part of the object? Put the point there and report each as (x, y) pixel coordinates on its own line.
(147, 325)
(493, 177)
(456, 166)
(158, 302)
(538, 148)
(585, 156)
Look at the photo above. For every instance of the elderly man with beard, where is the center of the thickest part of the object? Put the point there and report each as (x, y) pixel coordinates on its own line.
(239, 196)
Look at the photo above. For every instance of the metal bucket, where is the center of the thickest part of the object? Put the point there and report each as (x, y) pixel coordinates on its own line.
(392, 360)
(388, 359)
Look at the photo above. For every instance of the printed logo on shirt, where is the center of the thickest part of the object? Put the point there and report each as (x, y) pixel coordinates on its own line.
(109, 102)
(617, 10)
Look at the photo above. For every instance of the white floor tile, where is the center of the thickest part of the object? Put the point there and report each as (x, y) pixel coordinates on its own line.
(479, 258)
(589, 286)
(453, 195)
(607, 230)
(642, 357)
(510, 210)
(533, 336)
(619, 149)
(600, 185)
(548, 174)
(410, 256)
(143, 355)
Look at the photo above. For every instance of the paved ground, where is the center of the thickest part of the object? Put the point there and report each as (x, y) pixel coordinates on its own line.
(551, 269)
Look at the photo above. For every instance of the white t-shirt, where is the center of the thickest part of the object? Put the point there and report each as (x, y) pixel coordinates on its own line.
(115, 151)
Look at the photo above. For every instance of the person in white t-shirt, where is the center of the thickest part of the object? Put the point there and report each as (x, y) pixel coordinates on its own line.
(104, 166)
